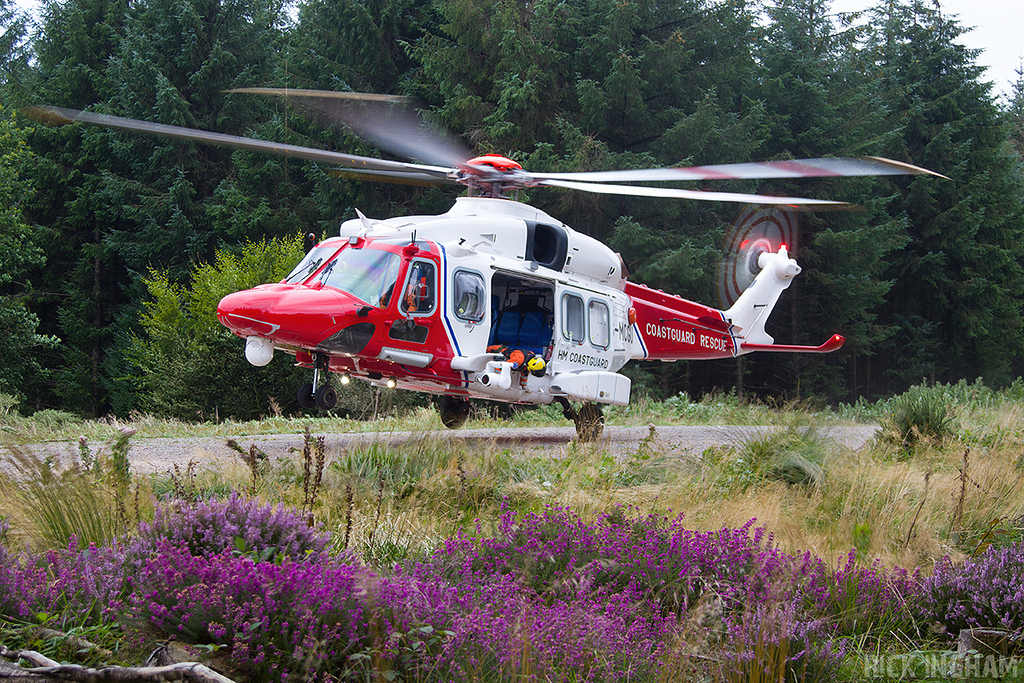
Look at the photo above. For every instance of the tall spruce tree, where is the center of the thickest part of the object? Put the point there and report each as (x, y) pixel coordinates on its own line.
(73, 44)
(598, 85)
(959, 281)
(115, 204)
(20, 342)
(1015, 112)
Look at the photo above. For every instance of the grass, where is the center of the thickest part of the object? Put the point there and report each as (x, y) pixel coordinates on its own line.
(903, 500)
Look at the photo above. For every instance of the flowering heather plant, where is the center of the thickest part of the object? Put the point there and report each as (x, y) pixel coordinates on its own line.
(985, 591)
(556, 554)
(855, 598)
(277, 620)
(80, 583)
(237, 523)
(772, 643)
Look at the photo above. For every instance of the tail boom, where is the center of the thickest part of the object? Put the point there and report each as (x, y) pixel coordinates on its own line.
(671, 328)
(833, 344)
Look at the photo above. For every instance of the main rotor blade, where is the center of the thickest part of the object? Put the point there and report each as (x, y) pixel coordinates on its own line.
(62, 116)
(674, 193)
(382, 120)
(796, 168)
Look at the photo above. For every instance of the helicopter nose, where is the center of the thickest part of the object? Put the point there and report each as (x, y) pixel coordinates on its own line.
(284, 313)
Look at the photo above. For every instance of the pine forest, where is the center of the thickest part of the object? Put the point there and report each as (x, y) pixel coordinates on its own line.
(116, 247)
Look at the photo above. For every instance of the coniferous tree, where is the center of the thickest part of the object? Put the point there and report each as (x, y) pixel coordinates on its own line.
(1015, 112)
(599, 85)
(14, 51)
(73, 44)
(959, 281)
(114, 203)
(20, 342)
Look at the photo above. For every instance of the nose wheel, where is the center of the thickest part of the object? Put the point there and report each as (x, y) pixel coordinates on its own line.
(313, 394)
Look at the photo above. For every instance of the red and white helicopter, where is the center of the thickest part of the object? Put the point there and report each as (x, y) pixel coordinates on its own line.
(439, 304)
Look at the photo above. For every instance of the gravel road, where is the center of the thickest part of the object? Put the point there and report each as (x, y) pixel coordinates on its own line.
(161, 454)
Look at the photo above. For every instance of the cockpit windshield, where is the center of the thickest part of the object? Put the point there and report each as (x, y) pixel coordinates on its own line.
(367, 274)
(309, 264)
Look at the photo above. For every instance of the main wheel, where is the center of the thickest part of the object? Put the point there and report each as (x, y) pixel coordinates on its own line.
(454, 411)
(326, 397)
(306, 398)
(589, 422)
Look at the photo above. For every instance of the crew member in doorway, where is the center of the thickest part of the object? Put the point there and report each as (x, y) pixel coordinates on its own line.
(524, 360)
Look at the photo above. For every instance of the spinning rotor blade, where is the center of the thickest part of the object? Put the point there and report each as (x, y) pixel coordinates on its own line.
(673, 193)
(381, 167)
(383, 120)
(796, 168)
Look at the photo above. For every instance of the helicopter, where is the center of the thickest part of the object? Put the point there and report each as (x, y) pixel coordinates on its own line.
(494, 299)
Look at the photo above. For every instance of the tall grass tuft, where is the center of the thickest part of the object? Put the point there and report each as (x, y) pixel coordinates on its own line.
(60, 505)
(921, 414)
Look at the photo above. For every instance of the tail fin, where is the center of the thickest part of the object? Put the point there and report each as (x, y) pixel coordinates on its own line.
(750, 312)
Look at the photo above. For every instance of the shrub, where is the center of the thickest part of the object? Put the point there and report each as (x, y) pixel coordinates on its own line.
(235, 524)
(277, 621)
(80, 584)
(191, 367)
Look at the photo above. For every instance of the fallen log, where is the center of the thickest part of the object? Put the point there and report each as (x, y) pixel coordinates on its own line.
(42, 668)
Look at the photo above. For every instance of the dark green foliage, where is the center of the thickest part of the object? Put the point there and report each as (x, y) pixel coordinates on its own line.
(14, 51)
(19, 254)
(957, 310)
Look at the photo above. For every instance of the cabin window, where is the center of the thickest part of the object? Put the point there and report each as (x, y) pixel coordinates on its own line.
(572, 318)
(470, 296)
(600, 334)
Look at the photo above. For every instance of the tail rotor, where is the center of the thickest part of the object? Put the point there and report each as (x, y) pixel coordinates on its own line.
(756, 230)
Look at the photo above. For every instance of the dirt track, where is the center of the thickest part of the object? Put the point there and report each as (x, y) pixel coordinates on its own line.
(161, 454)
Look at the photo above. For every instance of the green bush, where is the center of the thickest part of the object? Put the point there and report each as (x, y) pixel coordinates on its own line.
(192, 368)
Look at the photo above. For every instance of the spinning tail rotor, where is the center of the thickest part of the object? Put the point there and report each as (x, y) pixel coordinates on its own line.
(756, 230)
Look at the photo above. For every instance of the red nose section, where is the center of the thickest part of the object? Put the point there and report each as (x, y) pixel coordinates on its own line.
(291, 314)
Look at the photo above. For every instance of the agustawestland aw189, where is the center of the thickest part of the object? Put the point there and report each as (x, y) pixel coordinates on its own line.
(496, 299)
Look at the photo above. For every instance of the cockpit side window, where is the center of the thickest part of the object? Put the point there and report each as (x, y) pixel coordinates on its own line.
(420, 288)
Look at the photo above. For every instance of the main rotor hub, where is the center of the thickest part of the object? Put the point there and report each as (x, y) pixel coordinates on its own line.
(492, 175)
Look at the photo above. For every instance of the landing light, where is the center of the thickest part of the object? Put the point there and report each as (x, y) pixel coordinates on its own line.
(345, 379)
(391, 384)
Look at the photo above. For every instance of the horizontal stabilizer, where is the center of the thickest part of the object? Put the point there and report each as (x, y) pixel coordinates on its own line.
(831, 345)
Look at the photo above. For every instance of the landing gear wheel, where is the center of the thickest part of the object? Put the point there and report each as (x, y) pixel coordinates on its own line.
(306, 398)
(454, 411)
(326, 397)
(589, 422)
